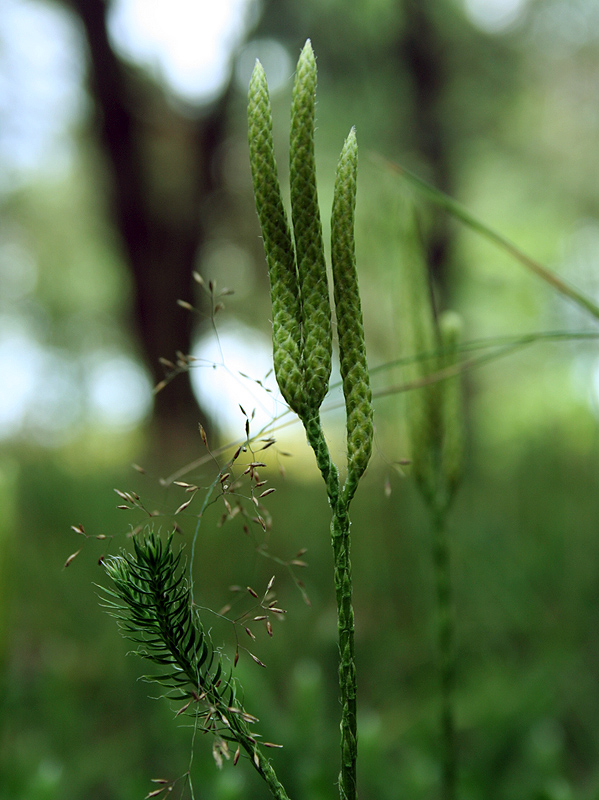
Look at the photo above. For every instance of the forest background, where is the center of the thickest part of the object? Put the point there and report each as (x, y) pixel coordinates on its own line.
(118, 179)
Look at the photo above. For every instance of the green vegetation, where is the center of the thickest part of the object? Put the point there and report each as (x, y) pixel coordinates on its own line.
(300, 295)
(154, 603)
(459, 647)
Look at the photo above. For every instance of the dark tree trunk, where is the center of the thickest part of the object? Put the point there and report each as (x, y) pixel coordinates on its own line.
(422, 51)
(156, 214)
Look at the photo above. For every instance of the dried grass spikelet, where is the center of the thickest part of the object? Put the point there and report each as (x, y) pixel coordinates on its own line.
(350, 328)
(307, 228)
(278, 245)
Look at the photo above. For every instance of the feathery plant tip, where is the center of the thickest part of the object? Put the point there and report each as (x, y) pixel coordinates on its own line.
(151, 600)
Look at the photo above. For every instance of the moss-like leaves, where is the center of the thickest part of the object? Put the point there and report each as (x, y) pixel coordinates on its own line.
(152, 603)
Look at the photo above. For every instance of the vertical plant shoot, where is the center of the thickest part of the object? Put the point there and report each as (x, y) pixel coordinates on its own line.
(314, 334)
(435, 428)
(278, 246)
(350, 329)
(307, 228)
(420, 340)
(452, 453)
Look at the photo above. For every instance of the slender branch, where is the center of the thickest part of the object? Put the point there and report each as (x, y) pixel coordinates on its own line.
(152, 603)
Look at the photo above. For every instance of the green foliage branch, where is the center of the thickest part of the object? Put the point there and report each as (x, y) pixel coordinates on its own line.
(302, 332)
(151, 600)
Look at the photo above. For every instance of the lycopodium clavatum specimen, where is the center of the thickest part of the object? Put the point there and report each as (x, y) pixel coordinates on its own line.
(303, 336)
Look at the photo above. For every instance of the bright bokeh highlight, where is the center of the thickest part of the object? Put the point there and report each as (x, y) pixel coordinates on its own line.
(234, 369)
(495, 16)
(185, 43)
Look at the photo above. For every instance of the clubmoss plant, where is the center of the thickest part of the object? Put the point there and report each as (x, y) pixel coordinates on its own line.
(278, 245)
(152, 602)
(309, 248)
(302, 334)
(436, 434)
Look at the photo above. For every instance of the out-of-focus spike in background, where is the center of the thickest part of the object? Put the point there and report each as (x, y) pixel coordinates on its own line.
(124, 173)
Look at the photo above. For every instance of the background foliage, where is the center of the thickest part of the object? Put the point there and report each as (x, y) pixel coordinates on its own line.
(503, 116)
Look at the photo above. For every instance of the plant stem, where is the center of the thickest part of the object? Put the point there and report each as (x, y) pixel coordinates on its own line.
(347, 668)
(340, 538)
(446, 635)
(266, 770)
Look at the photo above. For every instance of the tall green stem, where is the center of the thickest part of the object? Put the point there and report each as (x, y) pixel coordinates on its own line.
(347, 667)
(445, 643)
(340, 538)
(302, 333)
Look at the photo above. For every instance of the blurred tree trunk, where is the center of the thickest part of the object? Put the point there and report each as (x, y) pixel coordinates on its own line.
(160, 171)
(422, 51)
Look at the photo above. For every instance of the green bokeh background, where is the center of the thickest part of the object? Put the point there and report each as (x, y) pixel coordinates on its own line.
(520, 120)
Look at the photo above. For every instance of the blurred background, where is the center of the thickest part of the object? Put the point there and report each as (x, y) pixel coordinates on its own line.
(124, 169)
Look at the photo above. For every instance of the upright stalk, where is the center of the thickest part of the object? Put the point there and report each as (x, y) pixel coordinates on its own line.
(340, 539)
(302, 332)
(435, 426)
(446, 656)
(347, 667)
